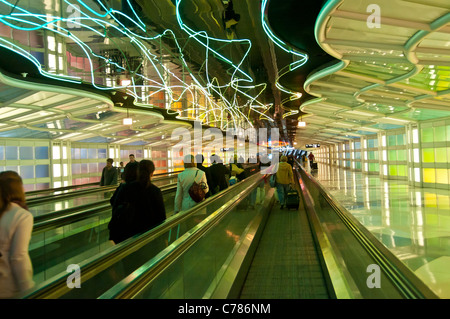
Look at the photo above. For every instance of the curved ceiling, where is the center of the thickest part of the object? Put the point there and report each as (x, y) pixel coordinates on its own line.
(268, 62)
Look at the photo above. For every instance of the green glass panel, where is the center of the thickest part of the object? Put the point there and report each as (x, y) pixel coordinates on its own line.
(441, 155)
(448, 133)
(401, 155)
(392, 155)
(372, 143)
(428, 155)
(401, 170)
(393, 170)
(439, 134)
(401, 139)
(372, 155)
(427, 135)
(374, 167)
(392, 140)
(358, 165)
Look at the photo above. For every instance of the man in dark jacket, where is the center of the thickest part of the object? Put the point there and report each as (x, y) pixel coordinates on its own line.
(109, 174)
(217, 172)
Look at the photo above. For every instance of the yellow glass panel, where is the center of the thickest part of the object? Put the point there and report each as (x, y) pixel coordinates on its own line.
(430, 200)
(444, 202)
(441, 155)
(429, 175)
(442, 175)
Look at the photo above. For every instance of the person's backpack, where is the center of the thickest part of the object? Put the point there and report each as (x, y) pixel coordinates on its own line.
(196, 191)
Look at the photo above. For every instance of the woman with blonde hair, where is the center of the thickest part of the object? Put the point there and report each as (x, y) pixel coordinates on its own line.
(16, 224)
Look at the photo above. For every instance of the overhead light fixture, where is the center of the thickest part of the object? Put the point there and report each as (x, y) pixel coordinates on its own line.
(128, 120)
(301, 123)
(125, 82)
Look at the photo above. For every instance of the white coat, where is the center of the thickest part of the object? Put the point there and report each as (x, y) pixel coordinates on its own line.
(16, 271)
(183, 200)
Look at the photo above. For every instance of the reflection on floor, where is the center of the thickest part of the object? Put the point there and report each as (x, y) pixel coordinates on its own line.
(414, 223)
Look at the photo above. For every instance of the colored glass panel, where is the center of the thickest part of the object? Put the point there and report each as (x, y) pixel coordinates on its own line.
(26, 153)
(11, 153)
(401, 139)
(427, 135)
(429, 175)
(41, 152)
(374, 167)
(392, 140)
(439, 134)
(401, 155)
(442, 176)
(441, 155)
(401, 170)
(428, 155)
(42, 171)
(372, 143)
(393, 170)
(392, 155)
(27, 171)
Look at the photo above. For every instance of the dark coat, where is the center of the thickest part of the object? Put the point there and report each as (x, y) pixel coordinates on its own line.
(218, 179)
(146, 204)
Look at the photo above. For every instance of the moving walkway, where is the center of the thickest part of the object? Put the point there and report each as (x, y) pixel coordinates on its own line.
(210, 250)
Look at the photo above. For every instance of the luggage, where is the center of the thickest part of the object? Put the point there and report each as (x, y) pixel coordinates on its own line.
(292, 199)
(313, 165)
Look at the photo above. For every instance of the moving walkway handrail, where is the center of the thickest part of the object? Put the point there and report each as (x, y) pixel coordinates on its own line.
(64, 188)
(57, 286)
(46, 222)
(53, 198)
(408, 284)
(130, 286)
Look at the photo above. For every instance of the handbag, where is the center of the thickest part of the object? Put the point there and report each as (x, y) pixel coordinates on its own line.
(196, 191)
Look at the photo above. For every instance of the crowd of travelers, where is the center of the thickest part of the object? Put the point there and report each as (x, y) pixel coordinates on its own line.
(137, 205)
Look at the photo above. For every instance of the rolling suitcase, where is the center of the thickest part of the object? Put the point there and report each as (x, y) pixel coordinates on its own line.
(292, 199)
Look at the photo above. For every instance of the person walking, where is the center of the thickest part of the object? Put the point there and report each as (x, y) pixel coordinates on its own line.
(183, 200)
(284, 179)
(199, 158)
(218, 173)
(138, 205)
(311, 159)
(16, 225)
(109, 174)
